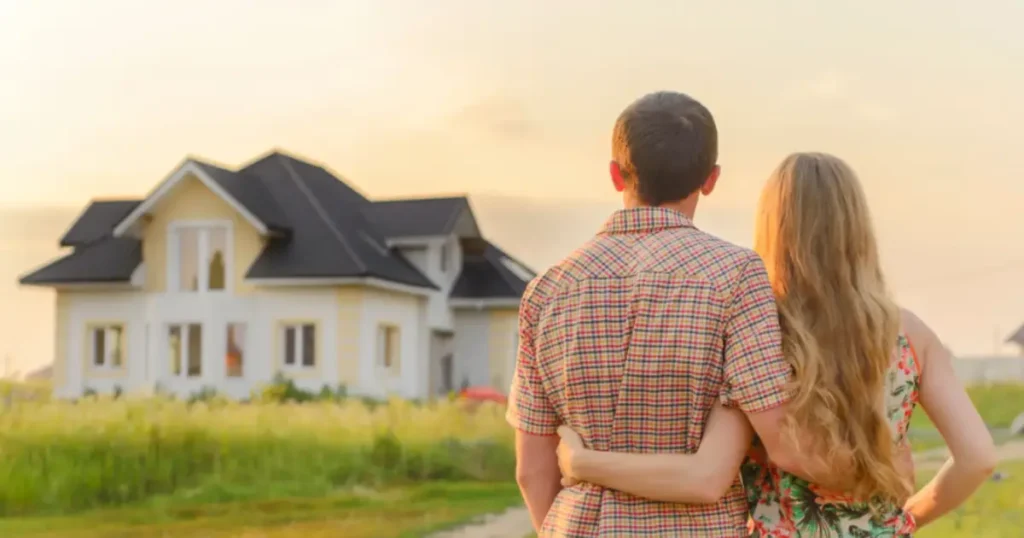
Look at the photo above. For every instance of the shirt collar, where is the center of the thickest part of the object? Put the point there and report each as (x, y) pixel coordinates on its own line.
(643, 220)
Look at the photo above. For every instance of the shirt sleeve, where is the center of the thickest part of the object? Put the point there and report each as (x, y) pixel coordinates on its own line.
(756, 372)
(529, 409)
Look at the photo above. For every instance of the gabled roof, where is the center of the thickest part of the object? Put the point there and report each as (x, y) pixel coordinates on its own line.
(246, 198)
(490, 273)
(316, 227)
(107, 260)
(97, 221)
(421, 217)
(1017, 337)
(330, 237)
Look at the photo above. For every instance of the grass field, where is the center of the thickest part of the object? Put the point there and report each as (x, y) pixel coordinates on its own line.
(393, 513)
(59, 458)
(336, 467)
(998, 405)
(996, 511)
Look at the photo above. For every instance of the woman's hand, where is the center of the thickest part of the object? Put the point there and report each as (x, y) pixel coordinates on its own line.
(570, 450)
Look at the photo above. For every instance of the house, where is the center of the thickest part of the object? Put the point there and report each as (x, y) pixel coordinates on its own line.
(223, 278)
(1017, 338)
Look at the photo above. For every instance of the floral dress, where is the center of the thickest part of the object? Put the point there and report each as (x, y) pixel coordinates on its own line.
(784, 506)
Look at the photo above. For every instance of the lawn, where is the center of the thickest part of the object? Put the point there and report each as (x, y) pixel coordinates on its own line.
(996, 511)
(406, 512)
(998, 404)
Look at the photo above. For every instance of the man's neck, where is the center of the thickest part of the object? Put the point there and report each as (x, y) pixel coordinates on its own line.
(686, 206)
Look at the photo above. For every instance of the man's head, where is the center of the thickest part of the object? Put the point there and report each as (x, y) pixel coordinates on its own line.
(664, 150)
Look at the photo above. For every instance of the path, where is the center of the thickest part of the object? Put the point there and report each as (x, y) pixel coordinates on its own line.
(515, 523)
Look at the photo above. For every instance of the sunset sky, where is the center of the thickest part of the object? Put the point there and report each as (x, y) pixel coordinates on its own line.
(516, 99)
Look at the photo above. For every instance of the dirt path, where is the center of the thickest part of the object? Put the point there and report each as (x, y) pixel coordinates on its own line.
(515, 523)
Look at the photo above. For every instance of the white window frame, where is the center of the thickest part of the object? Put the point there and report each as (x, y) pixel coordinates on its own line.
(202, 228)
(184, 332)
(300, 343)
(123, 342)
(394, 369)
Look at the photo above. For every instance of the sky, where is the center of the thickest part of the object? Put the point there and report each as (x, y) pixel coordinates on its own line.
(513, 102)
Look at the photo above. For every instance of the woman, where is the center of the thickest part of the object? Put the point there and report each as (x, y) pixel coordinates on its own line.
(860, 365)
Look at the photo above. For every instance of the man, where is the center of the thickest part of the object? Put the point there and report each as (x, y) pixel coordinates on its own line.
(632, 338)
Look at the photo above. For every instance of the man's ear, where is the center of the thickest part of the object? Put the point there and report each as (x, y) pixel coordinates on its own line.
(711, 181)
(617, 181)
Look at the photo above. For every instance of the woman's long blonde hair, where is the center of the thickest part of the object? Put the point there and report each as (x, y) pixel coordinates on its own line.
(839, 323)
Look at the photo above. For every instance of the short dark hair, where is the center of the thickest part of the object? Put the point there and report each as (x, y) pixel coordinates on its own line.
(666, 144)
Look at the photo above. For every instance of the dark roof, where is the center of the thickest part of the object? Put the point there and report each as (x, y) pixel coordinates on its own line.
(1017, 337)
(330, 237)
(485, 275)
(321, 227)
(251, 192)
(108, 260)
(417, 217)
(97, 221)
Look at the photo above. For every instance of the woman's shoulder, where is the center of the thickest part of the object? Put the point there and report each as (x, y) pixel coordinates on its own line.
(919, 335)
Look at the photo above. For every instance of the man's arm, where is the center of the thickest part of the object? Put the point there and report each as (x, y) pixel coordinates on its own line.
(537, 473)
(756, 373)
(535, 420)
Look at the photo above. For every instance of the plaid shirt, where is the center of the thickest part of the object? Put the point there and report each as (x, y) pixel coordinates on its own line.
(630, 341)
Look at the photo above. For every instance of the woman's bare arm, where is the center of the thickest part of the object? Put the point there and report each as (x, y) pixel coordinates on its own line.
(946, 402)
(701, 478)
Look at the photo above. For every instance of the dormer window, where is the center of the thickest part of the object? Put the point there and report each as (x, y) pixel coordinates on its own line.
(199, 257)
(444, 257)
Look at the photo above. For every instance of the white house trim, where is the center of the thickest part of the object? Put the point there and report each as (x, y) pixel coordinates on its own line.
(93, 286)
(480, 304)
(422, 241)
(342, 281)
(188, 168)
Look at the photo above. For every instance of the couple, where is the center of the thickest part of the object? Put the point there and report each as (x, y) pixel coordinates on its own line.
(659, 364)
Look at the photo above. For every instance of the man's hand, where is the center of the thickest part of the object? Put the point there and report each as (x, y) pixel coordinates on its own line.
(569, 450)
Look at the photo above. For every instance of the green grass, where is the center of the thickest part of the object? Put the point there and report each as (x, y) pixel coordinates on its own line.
(998, 405)
(995, 511)
(391, 513)
(61, 458)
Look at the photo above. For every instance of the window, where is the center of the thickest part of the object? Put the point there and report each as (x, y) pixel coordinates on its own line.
(185, 349)
(201, 254)
(107, 346)
(444, 257)
(235, 353)
(389, 349)
(300, 345)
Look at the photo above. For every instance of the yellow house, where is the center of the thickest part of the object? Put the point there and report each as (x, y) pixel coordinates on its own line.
(222, 279)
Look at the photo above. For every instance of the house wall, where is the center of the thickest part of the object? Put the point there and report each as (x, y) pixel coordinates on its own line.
(79, 311)
(62, 326)
(425, 254)
(407, 313)
(501, 345)
(472, 341)
(192, 200)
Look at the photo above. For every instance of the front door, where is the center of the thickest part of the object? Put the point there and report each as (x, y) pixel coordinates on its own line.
(442, 367)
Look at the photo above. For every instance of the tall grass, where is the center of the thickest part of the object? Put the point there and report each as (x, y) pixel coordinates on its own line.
(62, 456)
